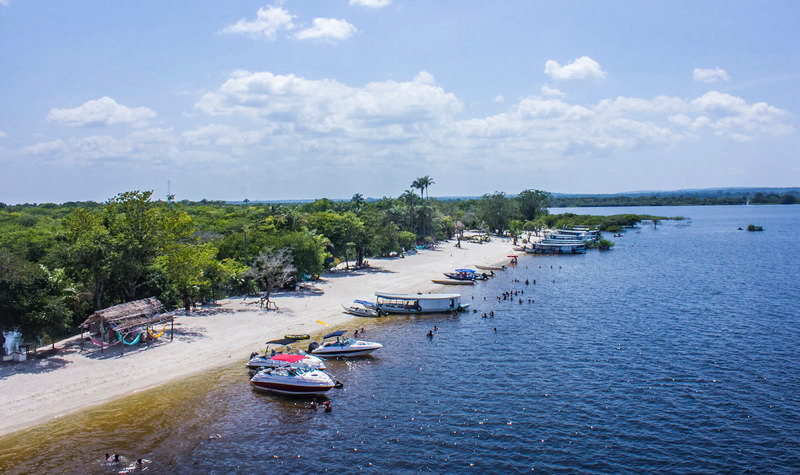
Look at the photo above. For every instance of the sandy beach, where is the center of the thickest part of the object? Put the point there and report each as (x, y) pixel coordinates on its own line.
(70, 380)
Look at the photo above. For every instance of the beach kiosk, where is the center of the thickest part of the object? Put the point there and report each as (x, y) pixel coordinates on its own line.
(125, 324)
(418, 303)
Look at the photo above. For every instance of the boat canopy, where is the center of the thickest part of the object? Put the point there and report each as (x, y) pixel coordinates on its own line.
(417, 296)
(282, 341)
(288, 358)
(468, 271)
(364, 303)
(335, 334)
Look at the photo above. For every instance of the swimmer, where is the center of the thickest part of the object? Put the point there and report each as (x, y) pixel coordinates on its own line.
(491, 313)
(327, 406)
(435, 328)
(430, 335)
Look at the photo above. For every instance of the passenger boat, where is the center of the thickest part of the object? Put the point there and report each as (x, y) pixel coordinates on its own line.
(453, 281)
(492, 268)
(342, 347)
(362, 308)
(258, 362)
(292, 380)
(558, 246)
(418, 303)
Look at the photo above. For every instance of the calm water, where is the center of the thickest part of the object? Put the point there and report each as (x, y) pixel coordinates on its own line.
(675, 352)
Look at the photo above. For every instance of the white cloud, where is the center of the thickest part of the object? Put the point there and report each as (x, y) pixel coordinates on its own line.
(582, 68)
(711, 75)
(5, 2)
(327, 29)
(269, 21)
(3, 135)
(549, 91)
(103, 111)
(371, 3)
(326, 105)
(499, 99)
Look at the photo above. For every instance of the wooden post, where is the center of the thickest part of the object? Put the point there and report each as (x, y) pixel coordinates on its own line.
(122, 344)
(172, 329)
(81, 338)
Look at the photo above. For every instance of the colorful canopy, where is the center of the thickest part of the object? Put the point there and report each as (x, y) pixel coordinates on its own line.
(288, 358)
(469, 271)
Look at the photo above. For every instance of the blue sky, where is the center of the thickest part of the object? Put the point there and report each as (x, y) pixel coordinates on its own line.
(294, 100)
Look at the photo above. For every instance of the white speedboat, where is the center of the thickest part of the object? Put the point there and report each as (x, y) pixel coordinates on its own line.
(342, 346)
(362, 308)
(292, 380)
(258, 362)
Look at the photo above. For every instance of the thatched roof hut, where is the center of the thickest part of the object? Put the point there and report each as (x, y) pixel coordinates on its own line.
(128, 318)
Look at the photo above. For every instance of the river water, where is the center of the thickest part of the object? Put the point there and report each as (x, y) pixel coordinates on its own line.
(674, 352)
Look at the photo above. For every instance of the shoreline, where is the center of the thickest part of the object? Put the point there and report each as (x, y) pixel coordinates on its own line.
(71, 381)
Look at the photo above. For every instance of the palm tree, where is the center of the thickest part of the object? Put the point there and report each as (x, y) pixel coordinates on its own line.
(422, 184)
(357, 201)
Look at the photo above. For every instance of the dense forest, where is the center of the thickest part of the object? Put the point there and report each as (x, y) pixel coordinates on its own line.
(60, 262)
(686, 198)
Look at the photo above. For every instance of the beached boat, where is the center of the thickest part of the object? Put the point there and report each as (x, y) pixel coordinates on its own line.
(492, 268)
(342, 347)
(292, 380)
(466, 274)
(418, 303)
(453, 281)
(258, 362)
(362, 308)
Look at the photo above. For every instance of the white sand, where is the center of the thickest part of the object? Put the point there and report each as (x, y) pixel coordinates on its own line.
(38, 390)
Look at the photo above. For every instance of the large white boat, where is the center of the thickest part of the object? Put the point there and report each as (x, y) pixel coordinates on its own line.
(418, 303)
(292, 380)
(258, 362)
(557, 246)
(342, 347)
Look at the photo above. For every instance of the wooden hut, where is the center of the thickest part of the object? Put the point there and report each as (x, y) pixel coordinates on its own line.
(124, 320)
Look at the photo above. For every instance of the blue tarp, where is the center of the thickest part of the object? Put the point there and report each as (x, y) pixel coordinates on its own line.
(339, 333)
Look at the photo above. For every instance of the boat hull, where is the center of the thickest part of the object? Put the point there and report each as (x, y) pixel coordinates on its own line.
(453, 282)
(290, 389)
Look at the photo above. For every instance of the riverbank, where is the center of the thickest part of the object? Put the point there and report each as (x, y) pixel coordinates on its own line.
(70, 380)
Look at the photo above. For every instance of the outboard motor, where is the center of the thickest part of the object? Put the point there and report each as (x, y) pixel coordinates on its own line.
(253, 355)
(313, 346)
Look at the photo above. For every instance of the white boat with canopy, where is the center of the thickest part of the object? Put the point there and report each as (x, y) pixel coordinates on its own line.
(418, 303)
(291, 379)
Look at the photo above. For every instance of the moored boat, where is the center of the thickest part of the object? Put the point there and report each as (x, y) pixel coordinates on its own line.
(258, 362)
(342, 347)
(418, 303)
(292, 380)
(492, 268)
(362, 308)
(453, 281)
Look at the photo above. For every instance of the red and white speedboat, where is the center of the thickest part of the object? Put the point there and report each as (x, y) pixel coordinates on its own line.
(258, 362)
(292, 378)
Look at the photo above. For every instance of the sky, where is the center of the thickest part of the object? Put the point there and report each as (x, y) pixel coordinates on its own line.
(307, 99)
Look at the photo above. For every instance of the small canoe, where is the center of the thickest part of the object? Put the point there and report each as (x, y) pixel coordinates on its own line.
(491, 267)
(297, 336)
(453, 282)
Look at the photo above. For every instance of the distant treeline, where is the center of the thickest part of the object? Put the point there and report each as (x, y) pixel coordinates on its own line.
(674, 200)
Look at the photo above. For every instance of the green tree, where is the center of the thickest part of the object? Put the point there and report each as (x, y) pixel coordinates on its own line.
(185, 266)
(495, 210)
(533, 203)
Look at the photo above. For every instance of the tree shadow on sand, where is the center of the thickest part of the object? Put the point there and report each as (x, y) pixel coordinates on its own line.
(41, 362)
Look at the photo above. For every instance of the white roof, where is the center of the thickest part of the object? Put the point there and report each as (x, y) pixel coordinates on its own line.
(389, 295)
